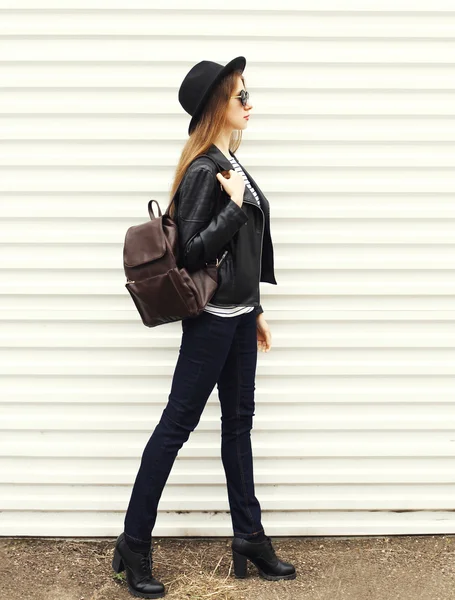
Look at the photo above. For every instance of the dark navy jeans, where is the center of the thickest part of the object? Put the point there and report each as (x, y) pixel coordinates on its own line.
(214, 350)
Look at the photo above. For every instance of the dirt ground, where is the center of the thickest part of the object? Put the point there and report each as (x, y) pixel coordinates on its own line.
(328, 568)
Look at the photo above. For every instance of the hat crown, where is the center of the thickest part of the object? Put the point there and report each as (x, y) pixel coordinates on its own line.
(196, 84)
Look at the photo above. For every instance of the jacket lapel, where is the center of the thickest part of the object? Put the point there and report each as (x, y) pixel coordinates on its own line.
(219, 157)
(262, 198)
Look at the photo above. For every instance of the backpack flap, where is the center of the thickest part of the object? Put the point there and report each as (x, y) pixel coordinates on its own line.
(144, 243)
(145, 249)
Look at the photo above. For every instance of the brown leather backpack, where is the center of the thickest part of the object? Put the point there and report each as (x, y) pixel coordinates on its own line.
(161, 291)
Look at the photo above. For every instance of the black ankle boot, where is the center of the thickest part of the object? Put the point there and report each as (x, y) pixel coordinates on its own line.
(138, 568)
(263, 556)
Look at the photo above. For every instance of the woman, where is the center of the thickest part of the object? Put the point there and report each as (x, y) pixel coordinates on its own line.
(224, 219)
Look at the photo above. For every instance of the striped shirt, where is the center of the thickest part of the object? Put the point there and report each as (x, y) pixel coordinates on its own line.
(233, 310)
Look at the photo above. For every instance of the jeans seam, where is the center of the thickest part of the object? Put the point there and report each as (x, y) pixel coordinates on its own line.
(237, 438)
(147, 494)
(242, 533)
(136, 539)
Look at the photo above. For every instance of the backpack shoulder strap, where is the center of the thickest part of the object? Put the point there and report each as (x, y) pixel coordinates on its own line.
(180, 184)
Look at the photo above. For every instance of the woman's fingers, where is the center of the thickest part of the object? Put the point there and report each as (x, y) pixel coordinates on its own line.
(265, 345)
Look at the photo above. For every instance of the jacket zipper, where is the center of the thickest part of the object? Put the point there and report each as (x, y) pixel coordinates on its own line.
(254, 184)
(223, 256)
(262, 238)
(260, 256)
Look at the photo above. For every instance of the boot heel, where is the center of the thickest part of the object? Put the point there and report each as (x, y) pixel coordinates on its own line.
(239, 565)
(117, 562)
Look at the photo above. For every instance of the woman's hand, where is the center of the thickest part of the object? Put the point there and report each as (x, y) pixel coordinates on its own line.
(263, 333)
(233, 185)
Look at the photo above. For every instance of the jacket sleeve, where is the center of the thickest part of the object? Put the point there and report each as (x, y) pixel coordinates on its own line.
(202, 234)
(258, 310)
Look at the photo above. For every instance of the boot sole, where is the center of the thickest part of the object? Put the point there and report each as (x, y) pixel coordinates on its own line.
(275, 577)
(141, 595)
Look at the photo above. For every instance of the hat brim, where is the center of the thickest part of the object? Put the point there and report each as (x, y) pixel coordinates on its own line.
(236, 64)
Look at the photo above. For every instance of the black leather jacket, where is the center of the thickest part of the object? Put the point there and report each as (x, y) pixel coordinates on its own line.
(212, 226)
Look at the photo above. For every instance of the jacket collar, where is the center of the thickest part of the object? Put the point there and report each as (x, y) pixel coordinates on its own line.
(222, 160)
(219, 157)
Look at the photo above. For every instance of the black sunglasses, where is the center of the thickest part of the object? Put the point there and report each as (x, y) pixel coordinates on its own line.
(244, 97)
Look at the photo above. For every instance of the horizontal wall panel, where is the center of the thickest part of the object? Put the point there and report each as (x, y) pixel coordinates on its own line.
(197, 523)
(295, 102)
(317, 390)
(268, 470)
(267, 443)
(303, 23)
(394, 6)
(202, 497)
(383, 49)
(124, 74)
(300, 130)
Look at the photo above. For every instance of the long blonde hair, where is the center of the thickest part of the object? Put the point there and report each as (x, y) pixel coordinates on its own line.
(212, 120)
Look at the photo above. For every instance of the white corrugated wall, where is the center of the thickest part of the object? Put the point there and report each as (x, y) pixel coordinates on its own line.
(352, 143)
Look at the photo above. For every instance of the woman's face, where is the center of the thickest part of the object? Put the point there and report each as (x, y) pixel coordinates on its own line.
(236, 112)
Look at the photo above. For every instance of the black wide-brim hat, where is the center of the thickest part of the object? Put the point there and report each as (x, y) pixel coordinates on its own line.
(198, 84)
